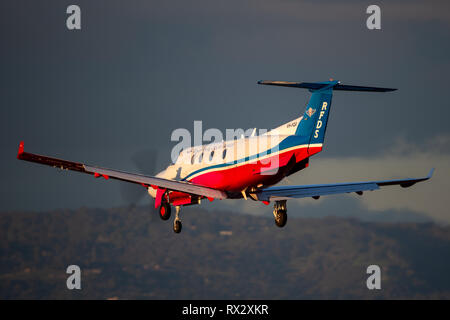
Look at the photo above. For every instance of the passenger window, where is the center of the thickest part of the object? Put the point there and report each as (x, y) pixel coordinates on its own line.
(193, 158)
(200, 158)
(211, 156)
(224, 154)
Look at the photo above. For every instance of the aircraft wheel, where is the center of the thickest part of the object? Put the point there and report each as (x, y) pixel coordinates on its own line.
(281, 218)
(164, 211)
(177, 226)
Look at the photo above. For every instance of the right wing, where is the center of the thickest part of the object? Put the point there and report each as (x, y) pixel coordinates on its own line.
(315, 191)
(146, 181)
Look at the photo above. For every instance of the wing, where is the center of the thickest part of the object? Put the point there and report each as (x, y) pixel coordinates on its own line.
(315, 191)
(98, 172)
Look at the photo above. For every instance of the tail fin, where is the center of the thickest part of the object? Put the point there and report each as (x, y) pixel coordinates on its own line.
(313, 124)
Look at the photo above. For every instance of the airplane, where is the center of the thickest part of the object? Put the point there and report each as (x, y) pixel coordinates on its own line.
(217, 171)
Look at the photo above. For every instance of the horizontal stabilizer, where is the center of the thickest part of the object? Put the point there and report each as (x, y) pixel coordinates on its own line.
(319, 85)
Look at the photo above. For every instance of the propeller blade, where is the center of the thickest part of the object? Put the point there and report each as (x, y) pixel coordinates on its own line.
(145, 162)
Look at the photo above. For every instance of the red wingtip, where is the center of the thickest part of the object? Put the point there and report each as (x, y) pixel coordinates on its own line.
(20, 150)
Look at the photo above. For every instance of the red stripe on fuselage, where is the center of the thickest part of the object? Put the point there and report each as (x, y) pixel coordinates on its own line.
(238, 177)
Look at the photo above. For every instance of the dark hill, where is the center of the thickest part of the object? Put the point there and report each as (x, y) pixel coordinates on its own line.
(127, 253)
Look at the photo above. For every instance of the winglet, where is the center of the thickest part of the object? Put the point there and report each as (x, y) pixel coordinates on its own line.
(20, 150)
(430, 174)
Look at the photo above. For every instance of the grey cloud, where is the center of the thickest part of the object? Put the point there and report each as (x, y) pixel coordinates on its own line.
(140, 69)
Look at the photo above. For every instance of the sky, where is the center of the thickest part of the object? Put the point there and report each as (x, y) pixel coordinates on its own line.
(137, 70)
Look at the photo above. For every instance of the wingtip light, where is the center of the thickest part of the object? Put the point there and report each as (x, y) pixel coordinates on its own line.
(21, 148)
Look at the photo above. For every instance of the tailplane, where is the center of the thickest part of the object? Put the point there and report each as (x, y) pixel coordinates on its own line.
(319, 85)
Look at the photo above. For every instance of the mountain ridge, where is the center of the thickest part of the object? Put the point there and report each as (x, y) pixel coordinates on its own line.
(129, 253)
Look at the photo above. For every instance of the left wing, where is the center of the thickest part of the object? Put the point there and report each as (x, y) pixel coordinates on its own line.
(315, 191)
(98, 172)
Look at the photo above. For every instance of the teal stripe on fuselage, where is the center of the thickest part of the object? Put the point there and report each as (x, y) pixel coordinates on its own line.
(289, 142)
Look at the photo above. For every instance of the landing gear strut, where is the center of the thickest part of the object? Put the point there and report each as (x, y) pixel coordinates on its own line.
(280, 213)
(164, 213)
(177, 222)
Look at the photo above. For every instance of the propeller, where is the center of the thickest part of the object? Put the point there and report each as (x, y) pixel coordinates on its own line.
(145, 162)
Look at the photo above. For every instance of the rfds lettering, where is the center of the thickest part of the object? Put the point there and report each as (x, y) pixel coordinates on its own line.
(319, 121)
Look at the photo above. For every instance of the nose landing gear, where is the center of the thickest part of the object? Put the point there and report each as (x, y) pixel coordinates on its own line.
(280, 213)
(177, 222)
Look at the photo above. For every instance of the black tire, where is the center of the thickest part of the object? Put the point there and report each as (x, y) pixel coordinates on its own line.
(281, 218)
(164, 211)
(177, 226)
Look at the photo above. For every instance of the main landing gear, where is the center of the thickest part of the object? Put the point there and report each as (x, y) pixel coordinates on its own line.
(177, 222)
(164, 214)
(280, 213)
